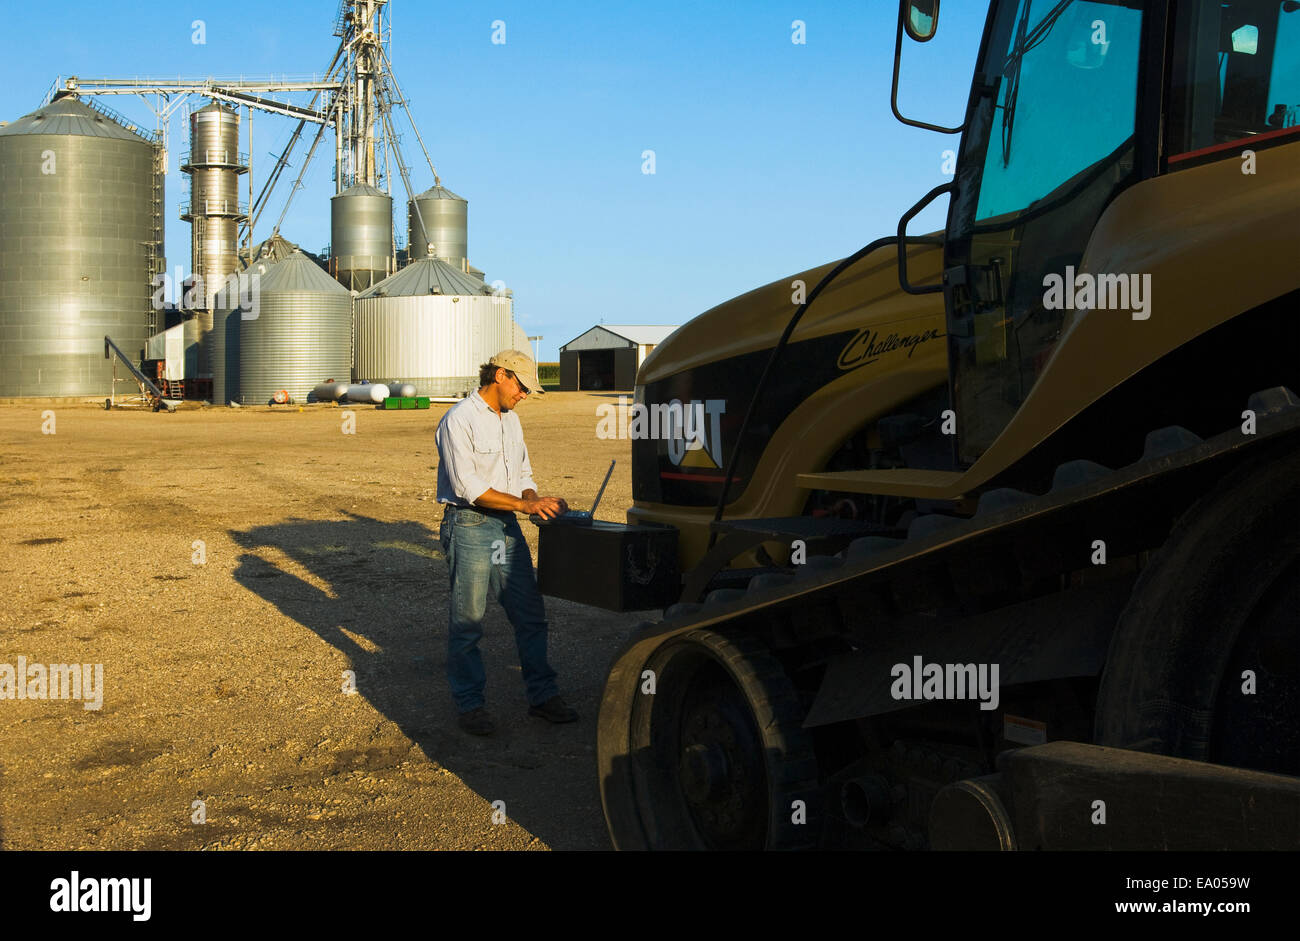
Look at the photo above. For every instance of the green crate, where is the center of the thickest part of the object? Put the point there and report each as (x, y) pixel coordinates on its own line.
(421, 401)
(392, 402)
(408, 402)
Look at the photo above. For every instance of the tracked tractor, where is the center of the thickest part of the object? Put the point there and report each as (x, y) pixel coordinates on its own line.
(1048, 603)
(862, 383)
(866, 351)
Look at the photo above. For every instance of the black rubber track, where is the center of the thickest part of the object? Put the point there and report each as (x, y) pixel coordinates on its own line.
(1174, 640)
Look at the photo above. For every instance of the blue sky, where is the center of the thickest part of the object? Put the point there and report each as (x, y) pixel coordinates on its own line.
(770, 156)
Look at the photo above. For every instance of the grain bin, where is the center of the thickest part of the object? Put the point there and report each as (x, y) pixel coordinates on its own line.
(223, 339)
(297, 334)
(430, 325)
(361, 236)
(80, 240)
(445, 229)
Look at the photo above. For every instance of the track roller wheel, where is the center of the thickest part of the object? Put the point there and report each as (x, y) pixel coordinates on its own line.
(716, 757)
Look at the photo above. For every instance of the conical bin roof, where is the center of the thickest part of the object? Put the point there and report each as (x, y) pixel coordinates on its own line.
(440, 192)
(426, 276)
(362, 189)
(300, 275)
(70, 116)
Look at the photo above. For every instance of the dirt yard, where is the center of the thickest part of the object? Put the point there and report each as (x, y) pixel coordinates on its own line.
(227, 566)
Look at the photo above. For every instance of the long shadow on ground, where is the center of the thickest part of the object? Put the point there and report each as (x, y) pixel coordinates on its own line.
(390, 586)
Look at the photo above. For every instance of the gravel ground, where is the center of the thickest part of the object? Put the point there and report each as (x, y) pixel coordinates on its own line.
(223, 681)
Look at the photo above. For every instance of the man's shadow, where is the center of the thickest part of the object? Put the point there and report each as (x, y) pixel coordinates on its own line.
(388, 615)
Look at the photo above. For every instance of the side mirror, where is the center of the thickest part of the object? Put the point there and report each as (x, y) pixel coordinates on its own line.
(920, 18)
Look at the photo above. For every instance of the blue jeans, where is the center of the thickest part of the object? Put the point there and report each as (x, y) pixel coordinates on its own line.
(486, 553)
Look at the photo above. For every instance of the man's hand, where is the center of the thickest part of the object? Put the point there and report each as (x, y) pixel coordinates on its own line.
(545, 507)
(530, 502)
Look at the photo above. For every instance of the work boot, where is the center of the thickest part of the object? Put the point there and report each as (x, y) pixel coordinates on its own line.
(477, 722)
(554, 710)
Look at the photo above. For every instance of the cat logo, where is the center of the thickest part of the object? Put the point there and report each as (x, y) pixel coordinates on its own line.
(693, 432)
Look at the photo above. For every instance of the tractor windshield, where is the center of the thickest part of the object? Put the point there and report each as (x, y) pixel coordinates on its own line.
(1048, 144)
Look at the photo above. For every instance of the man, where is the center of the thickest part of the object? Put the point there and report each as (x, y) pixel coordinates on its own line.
(484, 478)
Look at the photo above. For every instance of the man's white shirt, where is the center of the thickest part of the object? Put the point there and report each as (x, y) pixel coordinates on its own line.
(478, 450)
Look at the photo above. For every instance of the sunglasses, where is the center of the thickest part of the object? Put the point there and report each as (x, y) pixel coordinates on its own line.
(522, 388)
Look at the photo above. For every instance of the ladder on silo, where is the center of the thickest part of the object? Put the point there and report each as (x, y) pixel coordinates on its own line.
(154, 247)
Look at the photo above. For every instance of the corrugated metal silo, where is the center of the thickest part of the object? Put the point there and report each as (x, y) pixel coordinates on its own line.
(80, 239)
(361, 236)
(430, 325)
(223, 355)
(213, 209)
(446, 222)
(223, 340)
(301, 334)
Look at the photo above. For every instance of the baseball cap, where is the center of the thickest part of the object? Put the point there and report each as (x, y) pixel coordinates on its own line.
(522, 365)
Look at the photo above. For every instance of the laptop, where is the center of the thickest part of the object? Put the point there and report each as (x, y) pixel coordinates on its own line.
(578, 517)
